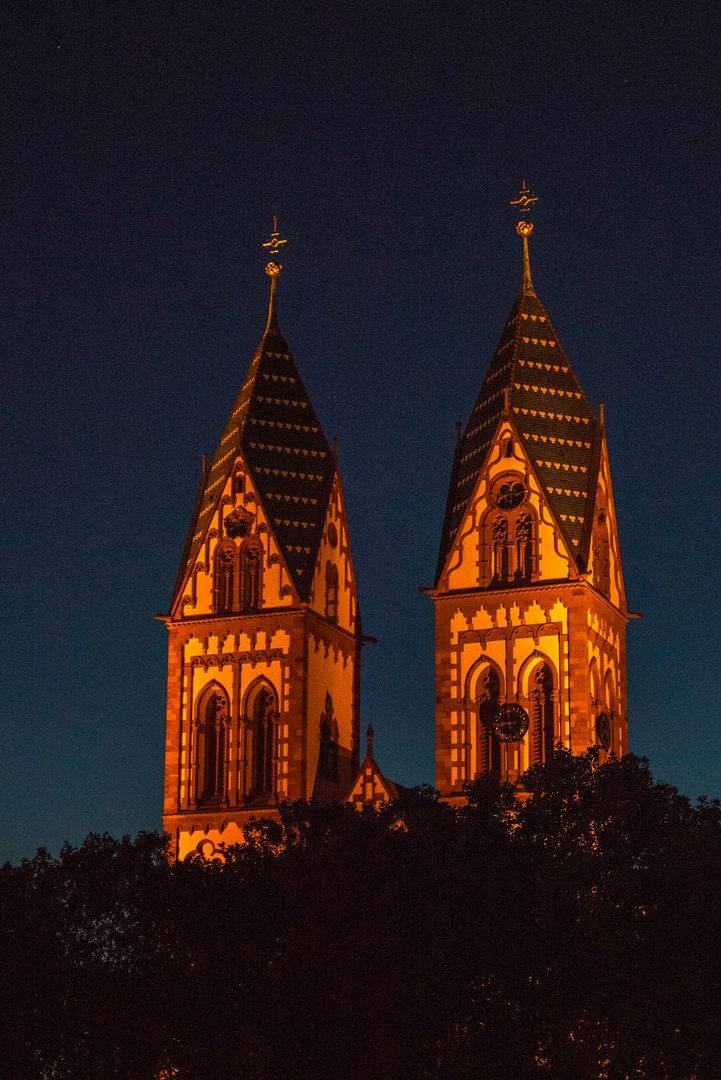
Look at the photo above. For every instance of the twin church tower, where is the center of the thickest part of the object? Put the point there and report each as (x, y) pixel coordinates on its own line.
(265, 629)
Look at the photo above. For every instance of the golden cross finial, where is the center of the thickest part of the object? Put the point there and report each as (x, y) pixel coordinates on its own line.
(524, 202)
(275, 242)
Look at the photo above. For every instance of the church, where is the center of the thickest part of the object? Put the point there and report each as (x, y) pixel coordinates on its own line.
(265, 634)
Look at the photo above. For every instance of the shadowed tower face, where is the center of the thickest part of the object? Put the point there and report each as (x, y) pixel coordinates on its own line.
(265, 634)
(529, 597)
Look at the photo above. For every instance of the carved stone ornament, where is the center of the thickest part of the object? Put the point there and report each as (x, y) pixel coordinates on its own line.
(239, 522)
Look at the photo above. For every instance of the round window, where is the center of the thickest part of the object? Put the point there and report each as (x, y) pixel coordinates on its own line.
(510, 494)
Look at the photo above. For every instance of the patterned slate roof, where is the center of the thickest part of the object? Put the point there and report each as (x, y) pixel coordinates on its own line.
(550, 412)
(276, 428)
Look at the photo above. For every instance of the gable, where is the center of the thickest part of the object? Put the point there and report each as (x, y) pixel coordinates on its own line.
(510, 507)
(531, 375)
(371, 786)
(238, 519)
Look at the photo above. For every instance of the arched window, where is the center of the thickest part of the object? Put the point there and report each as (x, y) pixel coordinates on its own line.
(328, 752)
(263, 722)
(489, 758)
(225, 571)
(500, 549)
(210, 735)
(331, 591)
(524, 547)
(542, 715)
(251, 556)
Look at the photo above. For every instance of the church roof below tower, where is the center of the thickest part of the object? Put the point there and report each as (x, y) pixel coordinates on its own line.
(549, 410)
(275, 427)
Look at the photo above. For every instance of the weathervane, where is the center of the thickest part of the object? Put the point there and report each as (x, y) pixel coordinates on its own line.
(524, 201)
(274, 244)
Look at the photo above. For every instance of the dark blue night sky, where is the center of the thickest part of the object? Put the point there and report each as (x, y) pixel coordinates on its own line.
(145, 148)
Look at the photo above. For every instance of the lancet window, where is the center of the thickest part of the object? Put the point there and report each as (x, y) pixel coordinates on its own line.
(489, 691)
(210, 741)
(263, 723)
(509, 535)
(542, 727)
(237, 576)
(500, 549)
(524, 547)
(251, 555)
(225, 576)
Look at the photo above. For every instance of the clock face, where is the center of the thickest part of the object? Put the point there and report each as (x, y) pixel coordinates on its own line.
(511, 723)
(603, 730)
(510, 495)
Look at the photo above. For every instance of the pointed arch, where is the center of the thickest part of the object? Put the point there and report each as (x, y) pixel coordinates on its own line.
(210, 736)
(538, 685)
(485, 688)
(509, 534)
(250, 563)
(261, 710)
(224, 578)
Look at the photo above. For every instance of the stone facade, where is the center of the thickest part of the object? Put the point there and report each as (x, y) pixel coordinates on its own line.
(529, 597)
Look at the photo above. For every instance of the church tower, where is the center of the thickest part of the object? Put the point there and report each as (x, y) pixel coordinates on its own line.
(529, 597)
(265, 634)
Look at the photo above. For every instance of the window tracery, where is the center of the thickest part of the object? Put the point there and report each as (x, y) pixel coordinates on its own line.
(237, 576)
(542, 720)
(500, 549)
(509, 534)
(524, 538)
(225, 559)
(489, 758)
(210, 738)
(251, 555)
(263, 724)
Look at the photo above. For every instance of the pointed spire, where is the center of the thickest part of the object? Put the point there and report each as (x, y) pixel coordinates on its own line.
(272, 315)
(369, 742)
(524, 228)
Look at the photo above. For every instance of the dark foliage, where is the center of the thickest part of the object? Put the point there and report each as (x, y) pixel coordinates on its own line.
(569, 931)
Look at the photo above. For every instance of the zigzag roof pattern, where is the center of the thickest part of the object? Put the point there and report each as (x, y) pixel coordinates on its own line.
(275, 427)
(550, 412)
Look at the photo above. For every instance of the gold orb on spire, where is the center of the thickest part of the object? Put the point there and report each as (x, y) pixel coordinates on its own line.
(273, 269)
(524, 228)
